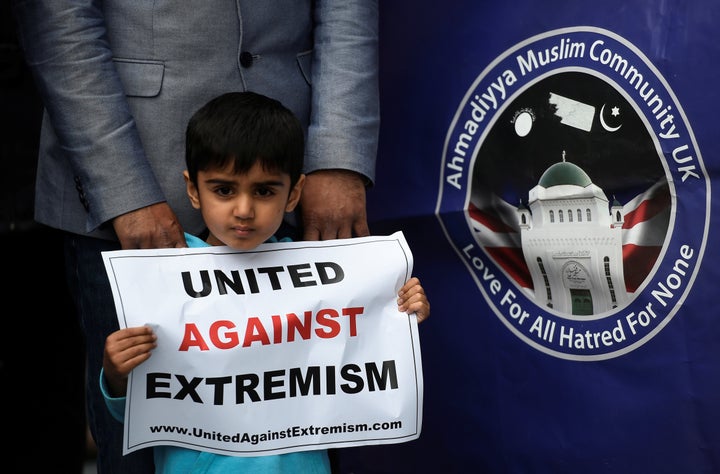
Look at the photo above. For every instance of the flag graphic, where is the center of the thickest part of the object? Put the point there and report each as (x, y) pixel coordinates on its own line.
(646, 221)
(573, 113)
(647, 218)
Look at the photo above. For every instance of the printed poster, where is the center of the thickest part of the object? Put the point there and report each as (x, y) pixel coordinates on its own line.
(288, 347)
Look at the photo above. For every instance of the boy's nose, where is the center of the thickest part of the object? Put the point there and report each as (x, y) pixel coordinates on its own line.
(243, 208)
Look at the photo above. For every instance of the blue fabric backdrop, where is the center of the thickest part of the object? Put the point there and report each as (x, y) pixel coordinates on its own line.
(493, 402)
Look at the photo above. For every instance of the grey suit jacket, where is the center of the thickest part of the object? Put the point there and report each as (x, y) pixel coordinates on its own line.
(120, 79)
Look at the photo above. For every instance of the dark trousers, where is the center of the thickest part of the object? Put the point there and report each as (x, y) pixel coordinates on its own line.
(93, 297)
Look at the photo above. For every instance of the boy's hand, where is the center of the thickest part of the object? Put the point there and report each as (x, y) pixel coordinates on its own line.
(125, 349)
(412, 299)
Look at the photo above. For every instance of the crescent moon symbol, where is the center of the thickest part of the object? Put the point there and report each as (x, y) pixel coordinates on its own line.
(605, 125)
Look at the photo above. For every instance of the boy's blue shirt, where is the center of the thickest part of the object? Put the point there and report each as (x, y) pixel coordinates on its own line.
(193, 241)
(173, 459)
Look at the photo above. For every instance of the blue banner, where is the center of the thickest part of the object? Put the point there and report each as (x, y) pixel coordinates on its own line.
(551, 166)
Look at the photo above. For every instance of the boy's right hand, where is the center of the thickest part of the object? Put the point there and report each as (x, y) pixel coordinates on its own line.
(125, 349)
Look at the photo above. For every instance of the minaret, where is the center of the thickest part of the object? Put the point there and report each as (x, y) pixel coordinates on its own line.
(524, 218)
(616, 212)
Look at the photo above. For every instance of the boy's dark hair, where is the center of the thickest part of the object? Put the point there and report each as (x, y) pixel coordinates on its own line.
(244, 128)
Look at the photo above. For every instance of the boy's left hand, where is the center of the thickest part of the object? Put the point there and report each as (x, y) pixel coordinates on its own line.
(412, 299)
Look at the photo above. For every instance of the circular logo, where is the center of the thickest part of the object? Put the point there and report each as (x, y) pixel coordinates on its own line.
(561, 180)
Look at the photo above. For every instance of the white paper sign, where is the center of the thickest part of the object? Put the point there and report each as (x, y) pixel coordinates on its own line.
(289, 347)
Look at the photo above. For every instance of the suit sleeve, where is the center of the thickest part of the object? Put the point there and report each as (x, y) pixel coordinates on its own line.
(345, 112)
(66, 47)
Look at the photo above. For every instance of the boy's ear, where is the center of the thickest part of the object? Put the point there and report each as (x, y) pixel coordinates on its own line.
(295, 193)
(192, 190)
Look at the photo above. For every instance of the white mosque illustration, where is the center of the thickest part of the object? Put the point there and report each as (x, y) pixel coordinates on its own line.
(572, 242)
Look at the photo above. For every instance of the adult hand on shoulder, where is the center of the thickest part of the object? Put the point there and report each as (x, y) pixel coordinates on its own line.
(154, 226)
(332, 205)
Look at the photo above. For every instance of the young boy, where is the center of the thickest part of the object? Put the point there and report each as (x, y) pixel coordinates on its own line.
(244, 156)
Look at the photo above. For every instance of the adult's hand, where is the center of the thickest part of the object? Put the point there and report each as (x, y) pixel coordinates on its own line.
(332, 205)
(154, 226)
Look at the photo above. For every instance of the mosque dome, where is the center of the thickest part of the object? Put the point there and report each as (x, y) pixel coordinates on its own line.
(564, 173)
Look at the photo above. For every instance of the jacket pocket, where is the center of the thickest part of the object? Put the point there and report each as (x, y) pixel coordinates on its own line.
(140, 78)
(304, 61)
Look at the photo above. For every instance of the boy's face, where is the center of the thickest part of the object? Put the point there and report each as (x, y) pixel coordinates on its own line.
(243, 210)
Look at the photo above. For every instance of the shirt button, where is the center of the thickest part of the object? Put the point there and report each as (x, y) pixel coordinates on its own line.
(246, 59)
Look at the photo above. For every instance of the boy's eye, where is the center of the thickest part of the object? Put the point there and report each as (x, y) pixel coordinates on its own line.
(223, 190)
(264, 192)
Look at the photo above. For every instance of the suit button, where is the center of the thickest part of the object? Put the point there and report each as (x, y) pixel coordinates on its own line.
(81, 194)
(246, 59)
